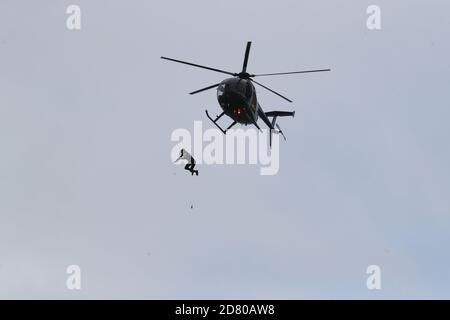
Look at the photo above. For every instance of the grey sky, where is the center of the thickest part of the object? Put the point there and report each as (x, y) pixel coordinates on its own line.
(86, 176)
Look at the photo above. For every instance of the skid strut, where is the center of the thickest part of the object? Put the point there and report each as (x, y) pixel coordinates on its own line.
(217, 119)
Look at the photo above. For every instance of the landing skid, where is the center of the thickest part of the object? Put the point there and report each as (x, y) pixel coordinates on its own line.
(217, 119)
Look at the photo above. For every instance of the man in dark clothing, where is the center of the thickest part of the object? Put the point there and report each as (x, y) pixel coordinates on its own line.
(184, 155)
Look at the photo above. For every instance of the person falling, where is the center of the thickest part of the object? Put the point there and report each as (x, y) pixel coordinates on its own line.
(191, 162)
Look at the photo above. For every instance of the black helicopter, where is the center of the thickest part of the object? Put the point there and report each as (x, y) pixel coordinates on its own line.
(237, 96)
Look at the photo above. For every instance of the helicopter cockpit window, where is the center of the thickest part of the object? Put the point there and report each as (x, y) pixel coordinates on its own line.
(220, 90)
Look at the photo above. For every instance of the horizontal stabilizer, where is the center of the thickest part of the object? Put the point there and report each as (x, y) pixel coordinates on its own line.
(280, 113)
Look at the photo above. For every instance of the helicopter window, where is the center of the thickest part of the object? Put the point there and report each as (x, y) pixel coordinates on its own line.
(220, 90)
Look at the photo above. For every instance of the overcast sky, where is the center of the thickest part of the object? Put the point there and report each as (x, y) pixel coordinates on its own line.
(86, 176)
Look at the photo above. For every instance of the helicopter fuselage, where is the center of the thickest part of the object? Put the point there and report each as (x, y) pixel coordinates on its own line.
(237, 95)
(237, 98)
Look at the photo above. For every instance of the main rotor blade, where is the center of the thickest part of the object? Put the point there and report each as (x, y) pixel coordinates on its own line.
(207, 88)
(271, 90)
(284, 73)
(200, 66)
(247, 52)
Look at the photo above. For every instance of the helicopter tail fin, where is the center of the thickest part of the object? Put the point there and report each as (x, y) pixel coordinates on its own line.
(275, 115)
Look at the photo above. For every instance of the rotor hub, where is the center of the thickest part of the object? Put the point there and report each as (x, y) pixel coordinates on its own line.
(244, 75)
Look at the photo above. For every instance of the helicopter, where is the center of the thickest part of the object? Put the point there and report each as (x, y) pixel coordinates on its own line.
(238, 100)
